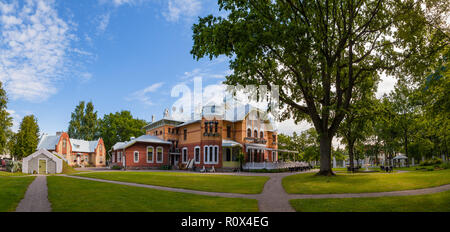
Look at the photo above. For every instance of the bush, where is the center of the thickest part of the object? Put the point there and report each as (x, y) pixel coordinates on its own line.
(115, 167)
(165, 167)
(14, 166)
(431, 162)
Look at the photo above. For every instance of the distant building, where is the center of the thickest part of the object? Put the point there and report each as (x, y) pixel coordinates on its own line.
(215, 139)
(76, 151)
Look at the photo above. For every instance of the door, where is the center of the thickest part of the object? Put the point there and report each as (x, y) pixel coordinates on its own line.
(42, 166)
(175, 160)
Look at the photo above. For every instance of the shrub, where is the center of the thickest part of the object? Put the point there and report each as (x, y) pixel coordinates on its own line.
(165, 167)
(14, 166)
(431, 162)
(115, 167)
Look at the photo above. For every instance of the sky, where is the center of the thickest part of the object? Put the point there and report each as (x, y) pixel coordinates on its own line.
(119, 54)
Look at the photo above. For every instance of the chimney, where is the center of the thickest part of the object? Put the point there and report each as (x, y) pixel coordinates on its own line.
(153, 118)
(59, 132)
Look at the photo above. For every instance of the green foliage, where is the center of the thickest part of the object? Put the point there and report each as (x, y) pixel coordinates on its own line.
(84, 122)
(435, 161)
(119, 127)
(116, 167)
(319, 53)
(14, 166)
(26, 140)
(5, 122)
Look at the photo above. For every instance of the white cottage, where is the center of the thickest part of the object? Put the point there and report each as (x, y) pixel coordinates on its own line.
(42, 162)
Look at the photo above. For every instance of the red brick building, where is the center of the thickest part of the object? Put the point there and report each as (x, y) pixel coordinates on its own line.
(76, 152)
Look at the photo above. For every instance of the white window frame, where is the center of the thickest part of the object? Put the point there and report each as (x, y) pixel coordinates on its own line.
(134, 156)
(199, 154)
(162, 155)
(113, 158)
(209, 154)
(153, 155)
(119, 157)
(182, 155)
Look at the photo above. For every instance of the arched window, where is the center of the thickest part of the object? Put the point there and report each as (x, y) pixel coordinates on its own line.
(249, 133)
(261, 134)
(255, 133)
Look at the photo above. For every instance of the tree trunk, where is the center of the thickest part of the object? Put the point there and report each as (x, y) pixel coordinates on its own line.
(325, 155)
(351, 155)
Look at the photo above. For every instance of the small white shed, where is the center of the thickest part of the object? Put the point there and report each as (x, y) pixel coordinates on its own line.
(42, 162)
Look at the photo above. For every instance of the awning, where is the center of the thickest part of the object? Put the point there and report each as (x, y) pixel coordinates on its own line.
(400, 157)
(230, 143)
(257, 146)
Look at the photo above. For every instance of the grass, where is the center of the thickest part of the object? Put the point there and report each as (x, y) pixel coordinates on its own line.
(12, 190)
(201, 182)
(3, 173)
(75, 195)
(437, 202)
(308, 183)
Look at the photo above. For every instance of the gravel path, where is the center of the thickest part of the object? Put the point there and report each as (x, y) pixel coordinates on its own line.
(36, 197)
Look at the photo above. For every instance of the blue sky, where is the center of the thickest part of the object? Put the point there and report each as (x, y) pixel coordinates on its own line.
(119, 54)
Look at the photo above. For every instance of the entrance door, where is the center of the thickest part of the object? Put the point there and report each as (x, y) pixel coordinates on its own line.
(175, 160)
(42, 166)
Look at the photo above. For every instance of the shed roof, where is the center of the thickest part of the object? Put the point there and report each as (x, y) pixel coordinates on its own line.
(142, 138)
(48, 142)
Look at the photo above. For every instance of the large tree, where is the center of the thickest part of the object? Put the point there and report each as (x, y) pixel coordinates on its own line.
(119, 127)
(27, 138)
(318, 51)
(84, 122)
(5, 121)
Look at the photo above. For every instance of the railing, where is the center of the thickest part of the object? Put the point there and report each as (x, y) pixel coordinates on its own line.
(174, 150)
(256, 140)
(274, 165)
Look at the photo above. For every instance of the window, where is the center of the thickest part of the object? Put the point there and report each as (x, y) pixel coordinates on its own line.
(274, 137)
(274, 156)
(210, 127)
(184, 157)
(255, 133)
(113, 157)
(197, 154)
(185, 134)
(159, 155)
(168, 130)
(215, 126)
(206, 127)
(205, 154)
(229, 131)
(136, 156)
(149, 154)
(64, 144)
(261, 134)
(211, 154)
(216, 154)
(249, 133)
(119, 156)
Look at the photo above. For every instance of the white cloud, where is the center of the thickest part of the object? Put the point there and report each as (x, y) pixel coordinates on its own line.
(386, 85)
(182, 8)
(103, 21)
(142, 95)
(117, 2)
(16, 120)
(34, 43)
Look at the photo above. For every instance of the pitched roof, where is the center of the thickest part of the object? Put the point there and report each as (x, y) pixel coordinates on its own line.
(142, 138)
(79, 145)
(48, 142)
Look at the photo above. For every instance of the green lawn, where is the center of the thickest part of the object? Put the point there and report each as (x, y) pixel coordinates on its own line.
(75, 195)
(12, 190)
(2, 173)
(364, 182)
(202, 182)
(438, 202)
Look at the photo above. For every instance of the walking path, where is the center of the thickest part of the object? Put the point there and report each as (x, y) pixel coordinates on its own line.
(273, 197)
(36, 197)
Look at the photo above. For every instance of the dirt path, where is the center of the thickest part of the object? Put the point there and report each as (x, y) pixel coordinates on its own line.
(36, 197)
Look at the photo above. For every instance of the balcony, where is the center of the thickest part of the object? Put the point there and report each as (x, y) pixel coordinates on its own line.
(255, 140)
(174, 150)
(211, 134)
